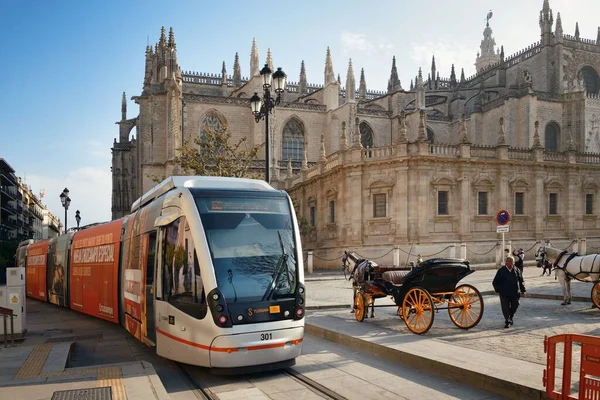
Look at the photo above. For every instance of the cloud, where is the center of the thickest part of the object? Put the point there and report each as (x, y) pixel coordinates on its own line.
(99, 149)
(89, 189)
(359, 43)
(446, 53)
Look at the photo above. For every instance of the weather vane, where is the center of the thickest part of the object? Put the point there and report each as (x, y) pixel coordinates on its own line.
(489, 16)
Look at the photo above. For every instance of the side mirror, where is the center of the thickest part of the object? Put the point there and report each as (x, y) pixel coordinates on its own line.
(165, 220)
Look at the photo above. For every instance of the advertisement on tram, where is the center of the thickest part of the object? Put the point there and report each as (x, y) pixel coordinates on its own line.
(35, 282)
(95, 269)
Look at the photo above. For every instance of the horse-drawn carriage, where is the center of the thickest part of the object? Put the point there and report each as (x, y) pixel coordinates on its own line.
(418, 292)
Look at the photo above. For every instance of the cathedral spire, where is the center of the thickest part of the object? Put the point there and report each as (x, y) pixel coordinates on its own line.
(362, 89)
(163, 38)
(339, 80)
(329, 75)
(546, 21)
(462, 75)
(433, 71)
(452, 76)
(123, 107)
(558, 34)
(412, 86)
(394, 81)
(237, 72)
(598, 37)
(303, 83)
(577, 30)
(171, 38)
(270, 59)
(420, 91)
(223, 75)
(350, 83)
(487, 55)
(254, 65)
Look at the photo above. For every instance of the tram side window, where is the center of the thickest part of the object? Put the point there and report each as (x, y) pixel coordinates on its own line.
(182, 281)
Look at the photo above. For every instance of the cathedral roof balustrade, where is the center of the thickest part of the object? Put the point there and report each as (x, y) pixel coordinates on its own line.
(580, 40)
(483, 151)
(523, 54)
(377, 153)
(444, 150)
(520, 154)
(555, 157)
(588, 158)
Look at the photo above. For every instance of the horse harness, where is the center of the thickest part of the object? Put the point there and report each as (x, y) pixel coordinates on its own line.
(568, 275)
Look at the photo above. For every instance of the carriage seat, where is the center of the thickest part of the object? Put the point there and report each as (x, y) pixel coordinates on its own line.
(395, 277)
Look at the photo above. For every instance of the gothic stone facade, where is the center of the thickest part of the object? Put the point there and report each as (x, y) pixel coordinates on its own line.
(420, 168)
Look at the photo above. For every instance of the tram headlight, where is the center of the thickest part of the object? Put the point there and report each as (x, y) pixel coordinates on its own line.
(222, 319)
(300, 301)
(215, 296)
(219, 308)
(286, 313)
(301, 290)
(240, 317)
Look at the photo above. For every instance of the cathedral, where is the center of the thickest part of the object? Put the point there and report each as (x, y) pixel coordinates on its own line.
(418, 169)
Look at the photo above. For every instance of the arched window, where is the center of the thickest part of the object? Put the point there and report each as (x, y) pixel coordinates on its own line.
(293, 140)
(590, 79)
(366, 135)
(210, 121)
(430, 135)
(552, 137)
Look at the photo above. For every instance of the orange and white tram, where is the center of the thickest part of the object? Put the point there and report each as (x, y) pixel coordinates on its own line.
(208, 270)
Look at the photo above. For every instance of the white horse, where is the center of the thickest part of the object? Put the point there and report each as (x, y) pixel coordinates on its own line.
(572, 266)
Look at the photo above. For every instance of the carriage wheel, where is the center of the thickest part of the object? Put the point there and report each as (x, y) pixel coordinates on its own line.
(596, 294)
(465, 306)
(360, 307)
(418, 310)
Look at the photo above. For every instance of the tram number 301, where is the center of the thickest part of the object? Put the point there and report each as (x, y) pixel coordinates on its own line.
(266, 336)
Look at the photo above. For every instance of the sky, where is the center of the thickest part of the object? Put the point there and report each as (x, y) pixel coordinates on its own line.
(66, 64)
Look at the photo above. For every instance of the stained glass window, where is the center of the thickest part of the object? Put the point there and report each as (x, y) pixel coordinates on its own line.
(293, 140)
(552, 134)
(366, 135)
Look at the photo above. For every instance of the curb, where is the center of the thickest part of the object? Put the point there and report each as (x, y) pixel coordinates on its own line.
(480, 380)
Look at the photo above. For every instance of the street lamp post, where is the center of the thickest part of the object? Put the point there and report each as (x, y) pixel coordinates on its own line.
(77, 218)
(66, 201)
(261, 108)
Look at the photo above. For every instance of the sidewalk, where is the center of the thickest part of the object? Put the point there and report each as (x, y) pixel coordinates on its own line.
(47, 364)
(508, 362)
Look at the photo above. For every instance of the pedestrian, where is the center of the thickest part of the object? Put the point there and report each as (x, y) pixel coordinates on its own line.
(519, 255)
(508, 283)
(419, 259)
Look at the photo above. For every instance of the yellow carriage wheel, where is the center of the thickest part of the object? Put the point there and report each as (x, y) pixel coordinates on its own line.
(418, 310)
(596, 294)
(360, 307)
(465, 306)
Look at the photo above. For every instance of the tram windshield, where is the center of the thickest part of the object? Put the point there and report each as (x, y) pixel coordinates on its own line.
(252, 245)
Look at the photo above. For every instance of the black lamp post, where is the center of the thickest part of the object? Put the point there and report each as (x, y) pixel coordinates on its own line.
(77, 218)
(261, 108)
(66, 201)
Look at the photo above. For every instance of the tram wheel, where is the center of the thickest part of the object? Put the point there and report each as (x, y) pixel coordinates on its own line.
(418, 310)
(596, 294)
(360, 307)
(465, 306)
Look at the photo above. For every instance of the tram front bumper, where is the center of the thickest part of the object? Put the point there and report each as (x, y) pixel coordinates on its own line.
(246, 349)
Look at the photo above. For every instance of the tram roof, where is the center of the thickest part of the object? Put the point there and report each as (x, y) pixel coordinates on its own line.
(200, 182)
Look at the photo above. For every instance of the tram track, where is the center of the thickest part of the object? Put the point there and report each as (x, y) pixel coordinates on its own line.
(203, 392)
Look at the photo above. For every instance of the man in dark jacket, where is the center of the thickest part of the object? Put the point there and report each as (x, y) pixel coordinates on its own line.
(519, 254)
(508, 283)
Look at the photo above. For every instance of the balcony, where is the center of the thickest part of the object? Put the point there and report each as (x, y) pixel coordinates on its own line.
(10, 191)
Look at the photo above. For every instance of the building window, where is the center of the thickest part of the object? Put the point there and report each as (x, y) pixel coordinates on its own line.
(442, 203)
(312, 216)
(331, 212)
(293, 141)
(590, 79)
(366, 135)
(482, 203)
(553, 204)
(430, 135)
(379, 205)
(551, 137)
(519, 198)
(589, 204)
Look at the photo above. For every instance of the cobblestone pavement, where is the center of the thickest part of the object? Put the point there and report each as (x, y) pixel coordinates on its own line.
(535, 318)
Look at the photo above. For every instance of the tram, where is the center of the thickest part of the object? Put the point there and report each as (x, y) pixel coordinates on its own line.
(208, 270)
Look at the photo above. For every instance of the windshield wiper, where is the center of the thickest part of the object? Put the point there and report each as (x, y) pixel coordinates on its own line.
(278, 269)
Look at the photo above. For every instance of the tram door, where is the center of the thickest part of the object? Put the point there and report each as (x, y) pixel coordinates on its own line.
(150, 287)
